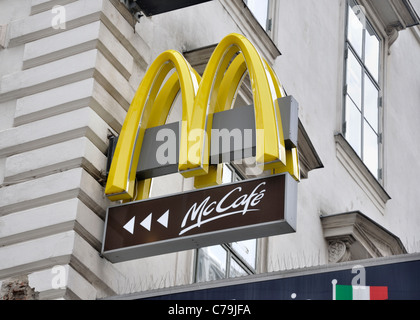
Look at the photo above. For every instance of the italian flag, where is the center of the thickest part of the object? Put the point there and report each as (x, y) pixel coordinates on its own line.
(342, 292)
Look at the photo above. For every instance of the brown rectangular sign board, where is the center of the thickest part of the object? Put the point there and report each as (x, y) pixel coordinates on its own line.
(233, 212)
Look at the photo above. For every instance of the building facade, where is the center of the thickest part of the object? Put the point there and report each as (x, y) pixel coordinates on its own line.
(69, 70)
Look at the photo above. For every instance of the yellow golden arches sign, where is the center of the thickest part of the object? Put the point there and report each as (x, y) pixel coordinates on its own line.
(201, 98)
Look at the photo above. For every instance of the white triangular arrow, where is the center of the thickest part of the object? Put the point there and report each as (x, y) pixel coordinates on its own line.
(163, 220)
(130, 225)
(147, 223)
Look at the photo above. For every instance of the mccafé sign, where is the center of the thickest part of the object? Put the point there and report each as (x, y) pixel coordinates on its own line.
(267, 131)
(246, 210)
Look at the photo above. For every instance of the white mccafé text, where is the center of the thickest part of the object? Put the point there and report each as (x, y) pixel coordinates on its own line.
(234, 202)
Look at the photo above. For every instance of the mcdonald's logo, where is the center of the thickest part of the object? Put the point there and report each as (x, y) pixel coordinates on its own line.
(202, 98)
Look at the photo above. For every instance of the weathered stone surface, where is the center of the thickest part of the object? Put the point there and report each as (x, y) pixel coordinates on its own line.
(17, 289)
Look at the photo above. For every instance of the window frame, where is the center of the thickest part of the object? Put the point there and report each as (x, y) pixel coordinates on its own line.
(231, 255)
(379, 84)
(252, 29)
(269, 16)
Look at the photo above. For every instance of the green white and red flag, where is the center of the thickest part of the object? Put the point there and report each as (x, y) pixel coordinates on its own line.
(345, 292)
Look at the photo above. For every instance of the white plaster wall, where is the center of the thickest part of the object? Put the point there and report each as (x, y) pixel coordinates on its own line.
(402, 139)
(311, 39)
(310, 68)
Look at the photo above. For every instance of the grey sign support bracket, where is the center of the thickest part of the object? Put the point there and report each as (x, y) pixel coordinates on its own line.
(233, 138)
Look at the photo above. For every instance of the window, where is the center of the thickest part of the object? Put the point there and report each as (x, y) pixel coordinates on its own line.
(261, 11)
(362, 111)
(256, 21)
(228, 260)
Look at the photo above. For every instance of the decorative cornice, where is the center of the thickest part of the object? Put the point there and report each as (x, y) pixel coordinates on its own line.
(394, 15)
(361, 236)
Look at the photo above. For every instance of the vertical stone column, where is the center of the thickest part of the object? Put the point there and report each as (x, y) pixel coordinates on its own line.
(71, 91)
